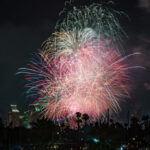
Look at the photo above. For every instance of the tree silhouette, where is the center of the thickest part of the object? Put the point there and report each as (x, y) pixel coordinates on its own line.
(78, 120)
(85, 117)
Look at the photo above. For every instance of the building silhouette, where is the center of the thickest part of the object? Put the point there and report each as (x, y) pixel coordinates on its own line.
(13, 116)
(33, 113)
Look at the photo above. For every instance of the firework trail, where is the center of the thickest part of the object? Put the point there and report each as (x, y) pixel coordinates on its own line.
(102, 20)
(80, 68)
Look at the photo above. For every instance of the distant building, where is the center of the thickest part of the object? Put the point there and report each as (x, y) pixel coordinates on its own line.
(25, 120)
(33, 113)
(13, 116)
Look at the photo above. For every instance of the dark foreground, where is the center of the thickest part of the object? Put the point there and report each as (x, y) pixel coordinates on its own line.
(103, 135)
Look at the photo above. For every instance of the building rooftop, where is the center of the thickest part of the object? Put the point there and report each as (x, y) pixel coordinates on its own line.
(13, 108)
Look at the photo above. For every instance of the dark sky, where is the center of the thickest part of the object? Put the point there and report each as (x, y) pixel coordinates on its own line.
(25, 24)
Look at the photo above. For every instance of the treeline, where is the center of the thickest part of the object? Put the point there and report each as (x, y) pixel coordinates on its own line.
(105, 134)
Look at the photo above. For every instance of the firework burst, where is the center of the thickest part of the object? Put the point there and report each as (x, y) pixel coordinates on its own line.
(80, 69)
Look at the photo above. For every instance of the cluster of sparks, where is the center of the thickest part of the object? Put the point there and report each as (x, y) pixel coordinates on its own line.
(79, 69)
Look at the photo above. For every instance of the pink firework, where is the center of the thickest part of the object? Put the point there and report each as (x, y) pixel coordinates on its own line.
(87, 77)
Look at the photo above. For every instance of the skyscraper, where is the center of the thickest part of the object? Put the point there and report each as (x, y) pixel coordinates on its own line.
(13, 116)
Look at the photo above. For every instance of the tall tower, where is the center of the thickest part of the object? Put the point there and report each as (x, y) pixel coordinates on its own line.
(108, 116)
(13, 116)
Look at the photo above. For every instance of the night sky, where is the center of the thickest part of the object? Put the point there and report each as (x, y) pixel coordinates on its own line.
(25, 24)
